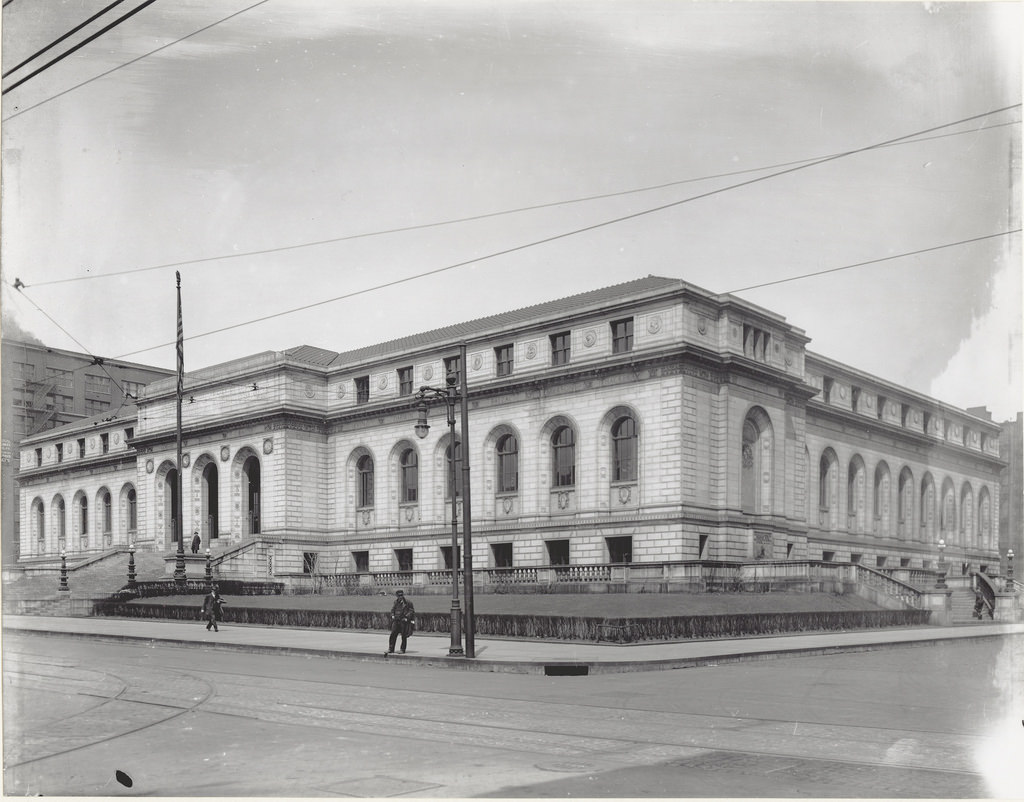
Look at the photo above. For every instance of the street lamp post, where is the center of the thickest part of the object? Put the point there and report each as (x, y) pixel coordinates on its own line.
(131, 566)
(1009, 571)
(447, 395)
(941, 583)
(63, 571)
(209, 569)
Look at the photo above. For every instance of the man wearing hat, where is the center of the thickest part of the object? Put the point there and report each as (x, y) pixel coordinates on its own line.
(402, 621)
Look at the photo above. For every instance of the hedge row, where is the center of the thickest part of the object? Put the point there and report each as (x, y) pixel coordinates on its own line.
(192, 587)
(546, 627)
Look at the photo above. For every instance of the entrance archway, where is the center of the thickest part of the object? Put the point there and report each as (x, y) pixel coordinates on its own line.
(251, 496)
(210, 495)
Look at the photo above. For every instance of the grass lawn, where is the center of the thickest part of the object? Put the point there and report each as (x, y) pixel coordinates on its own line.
(604, 605)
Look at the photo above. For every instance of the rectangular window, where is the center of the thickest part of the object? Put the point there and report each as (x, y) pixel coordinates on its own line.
(97, 384)
(134, 389)
(453, 367)
(855, 393)
(620, 549)
(105, 442)
(558, 552)
(826, 389)
(64, 378)
(309, 560)
(404, 559)
(129, 433)
(362, 561)
(622, 336)
(25, 370)
(60, 452)
(81, 447)
(561, 348)
(446, 554)
(502, 553)
(405, 381)
(94, 406)
(504, 356)
(362, 389)
(880, 562)
(882, 401)
(39, 457)
(828, 556)
(62, 403)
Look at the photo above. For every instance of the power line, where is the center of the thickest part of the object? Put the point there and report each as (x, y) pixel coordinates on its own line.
(584, 229)
(80, 45)
(60, 39)
(875, 261)
(129, 63)
(488, 215)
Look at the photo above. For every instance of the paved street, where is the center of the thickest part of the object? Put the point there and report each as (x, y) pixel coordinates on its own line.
(927, 721)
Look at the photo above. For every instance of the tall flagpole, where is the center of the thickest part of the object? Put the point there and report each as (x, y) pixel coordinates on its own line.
(179, 562)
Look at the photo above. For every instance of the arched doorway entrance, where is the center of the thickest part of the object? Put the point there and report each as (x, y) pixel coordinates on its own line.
(210, 494)
(251, 495)
(171, 507)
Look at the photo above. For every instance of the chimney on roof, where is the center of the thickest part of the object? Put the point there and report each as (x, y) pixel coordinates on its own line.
(979, 412)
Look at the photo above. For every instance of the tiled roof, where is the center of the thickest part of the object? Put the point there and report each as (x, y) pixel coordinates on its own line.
(515, 317)
(312, 355)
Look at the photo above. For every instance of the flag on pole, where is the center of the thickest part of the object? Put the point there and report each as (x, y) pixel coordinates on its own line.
(181, 342)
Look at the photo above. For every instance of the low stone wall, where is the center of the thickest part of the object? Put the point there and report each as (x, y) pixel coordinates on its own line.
(546, 627)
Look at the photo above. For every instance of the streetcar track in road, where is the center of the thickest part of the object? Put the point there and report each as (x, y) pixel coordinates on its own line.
(354, 691)
(126, 687)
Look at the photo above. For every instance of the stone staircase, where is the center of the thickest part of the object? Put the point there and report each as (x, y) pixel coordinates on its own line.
(39, 591)
(962, 605)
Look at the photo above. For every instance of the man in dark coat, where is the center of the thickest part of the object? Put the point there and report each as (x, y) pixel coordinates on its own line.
(402, 621)
(196, 542)
(213, 606)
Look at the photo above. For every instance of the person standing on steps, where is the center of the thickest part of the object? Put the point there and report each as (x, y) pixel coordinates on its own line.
(213, 606)
(402, 621)
(196, 542)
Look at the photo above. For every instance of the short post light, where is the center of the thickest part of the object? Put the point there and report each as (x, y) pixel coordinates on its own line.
(941, 583)
(1009, 571)
(63, 571)
(131, 566)
(209, 568)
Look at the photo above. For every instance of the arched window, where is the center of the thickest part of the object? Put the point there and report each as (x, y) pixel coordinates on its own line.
(824, 496)
(410, 476)
(40, 513)
(880, 500)
(855, 495)
(458, 471)
(984, 519)
(906, 508)
(563, 457)
(364, 470)
(133, 512)
(83, 516)
(508, 464)
(928, 508)
(108, 518)
(624, 450)
(756, 463)
(62, 523)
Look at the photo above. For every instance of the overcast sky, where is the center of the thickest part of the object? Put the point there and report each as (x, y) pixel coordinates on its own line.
(297, 122)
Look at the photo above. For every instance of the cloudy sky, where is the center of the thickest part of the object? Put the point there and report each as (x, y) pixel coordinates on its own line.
(290, 156)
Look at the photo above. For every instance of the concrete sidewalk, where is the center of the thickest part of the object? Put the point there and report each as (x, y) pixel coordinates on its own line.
(497, 654)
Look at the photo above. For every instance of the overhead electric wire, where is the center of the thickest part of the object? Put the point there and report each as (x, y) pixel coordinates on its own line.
(133, 61)
(592, 227)
(488, 215)
(60, 39)
(80, 45)
(874, 261)
(98, 361)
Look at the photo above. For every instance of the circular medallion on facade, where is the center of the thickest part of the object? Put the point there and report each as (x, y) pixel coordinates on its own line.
(654, 324)
(702, 326)
(186, 460)
(624, 495)
(409, 511)
(382, 382)
(506, 504)
(366, 517)
(341, 390)
(309, 391)
(478, 361)
(268, 445)
(789, 360)
(428, 373)
(589, 338)
(225, 453)
(531, 350)
(149, 466)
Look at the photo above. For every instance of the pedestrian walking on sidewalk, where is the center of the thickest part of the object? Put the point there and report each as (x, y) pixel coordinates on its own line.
(402, 621)
(213, 608)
